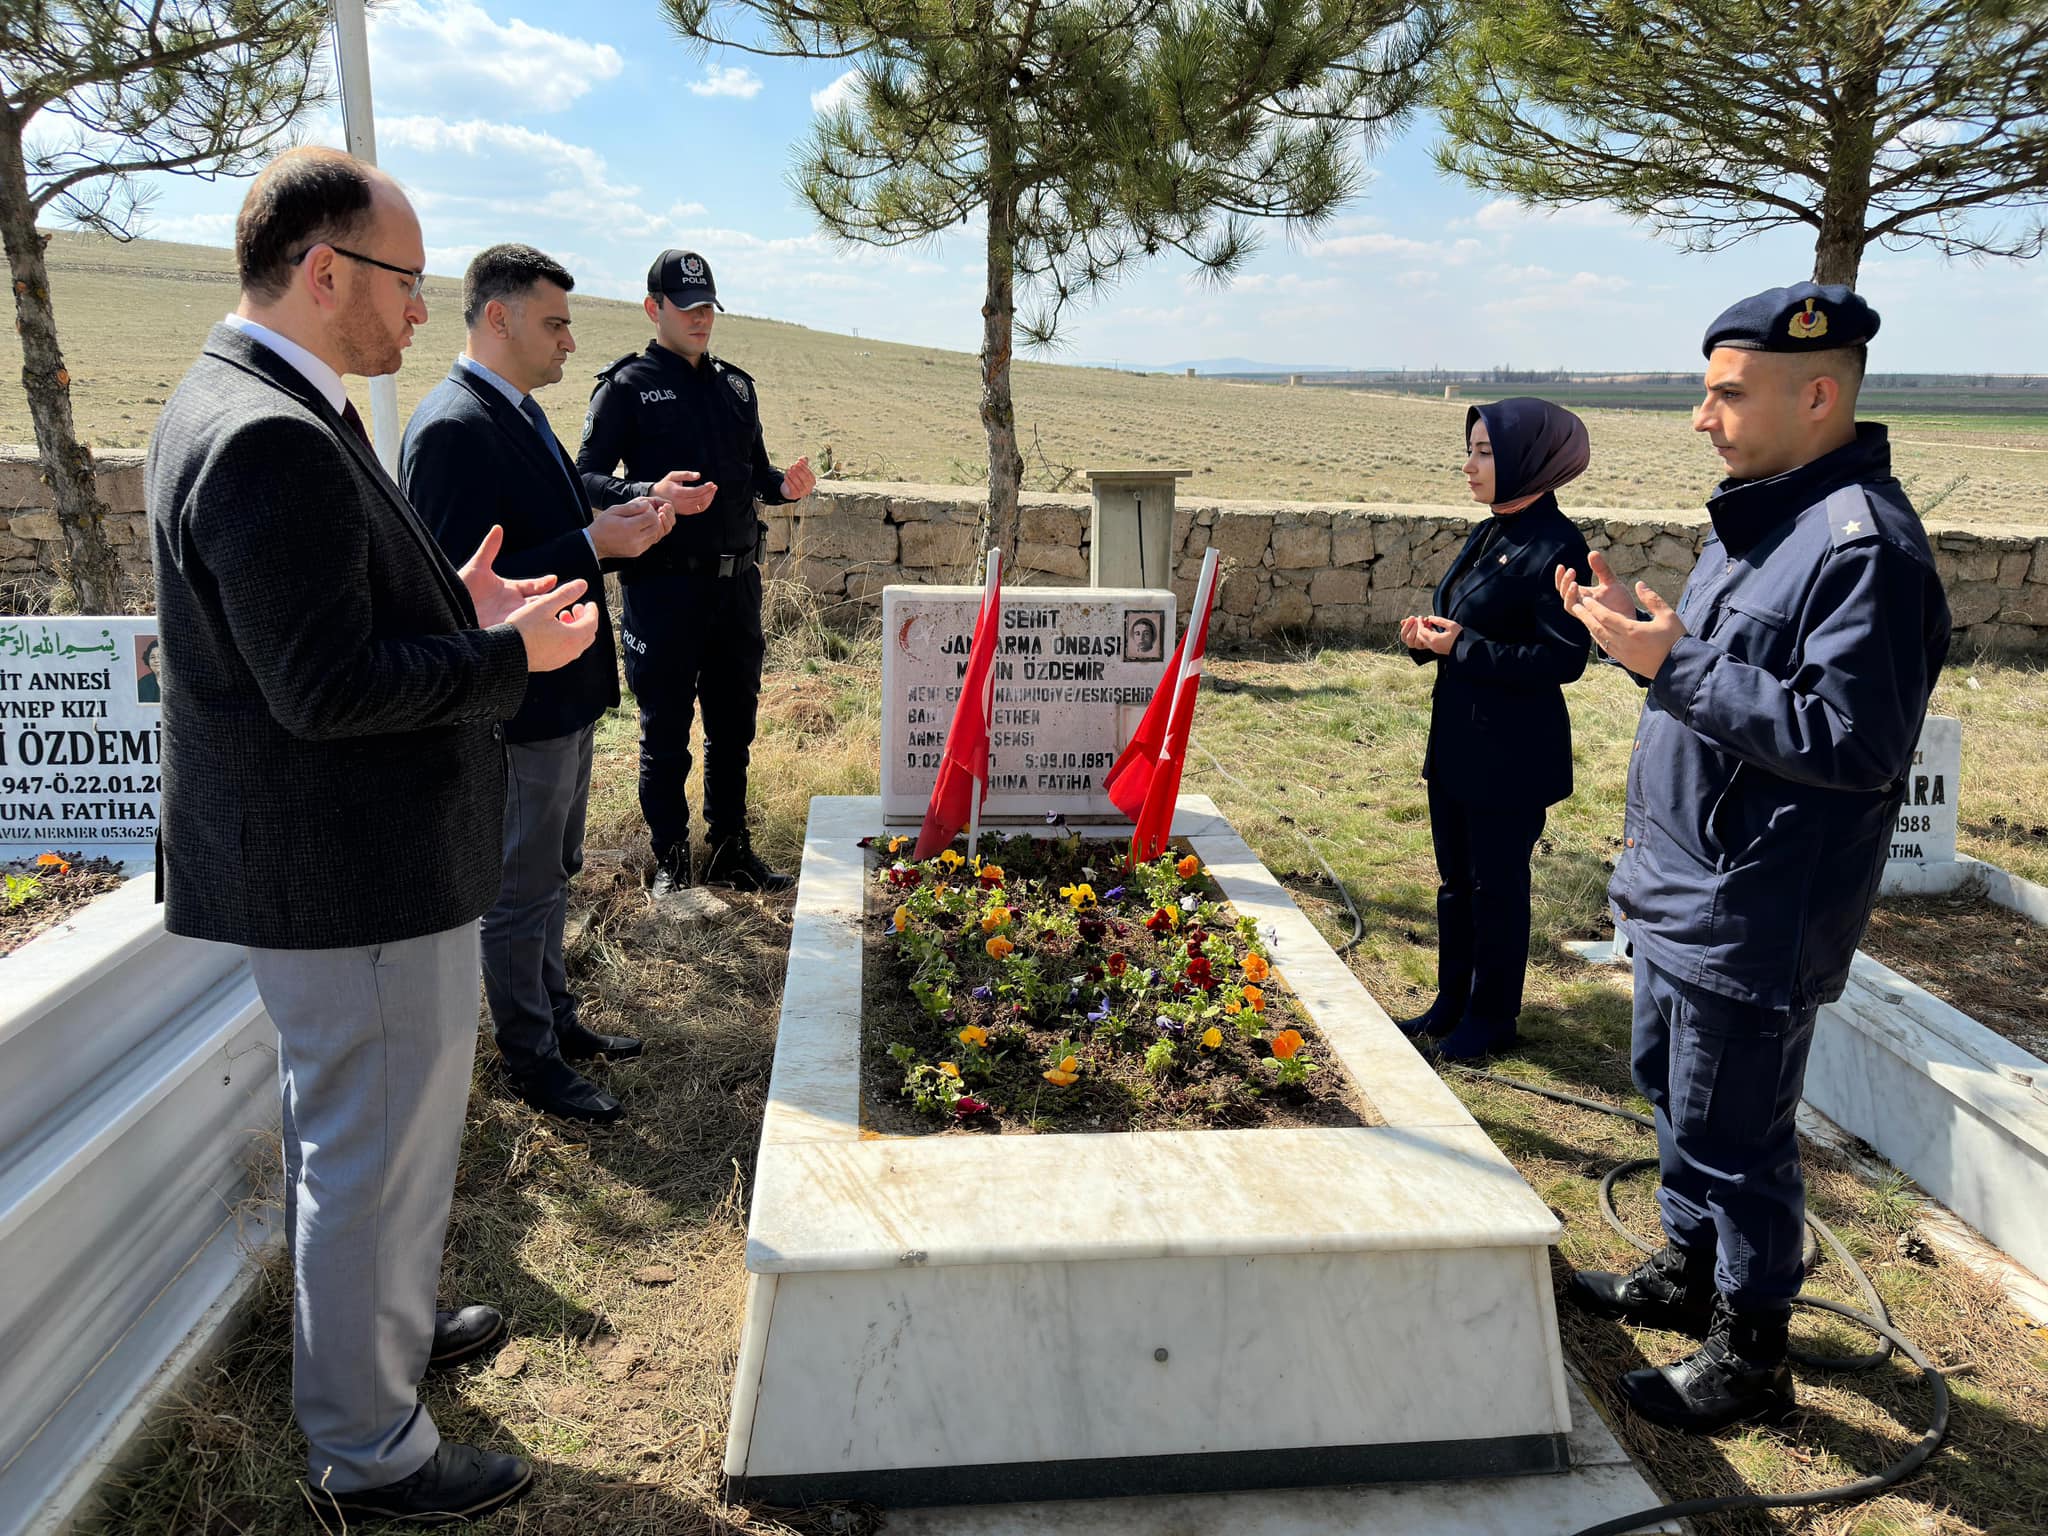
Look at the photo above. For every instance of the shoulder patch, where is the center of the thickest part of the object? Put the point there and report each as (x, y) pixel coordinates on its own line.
(613, 367)
(1850, 518)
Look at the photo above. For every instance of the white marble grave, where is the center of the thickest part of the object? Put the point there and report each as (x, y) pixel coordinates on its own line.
(1956, 1106)
(952, 1319)
(1076, 669)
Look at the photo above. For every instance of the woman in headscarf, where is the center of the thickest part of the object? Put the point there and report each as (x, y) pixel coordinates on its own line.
(1500, 739)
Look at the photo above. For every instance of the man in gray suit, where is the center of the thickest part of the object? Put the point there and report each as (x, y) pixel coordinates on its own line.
(333, 793)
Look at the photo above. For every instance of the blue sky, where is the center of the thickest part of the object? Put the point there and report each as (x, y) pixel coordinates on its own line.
(591, 131)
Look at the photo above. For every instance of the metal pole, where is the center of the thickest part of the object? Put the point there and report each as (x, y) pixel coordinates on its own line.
(359, 136)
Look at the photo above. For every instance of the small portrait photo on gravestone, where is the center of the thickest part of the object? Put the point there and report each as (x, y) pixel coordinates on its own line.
(149, 664)
(1144, 637)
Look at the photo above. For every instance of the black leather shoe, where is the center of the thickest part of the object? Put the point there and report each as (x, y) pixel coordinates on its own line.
(1671, 1289)
(672, 871)
(579, 1044)
(570, 1095)
(1428, 1022)
(1739, 1376)
(1472, 1041)
(458, 1483)
(464, 1333)
(733, 862)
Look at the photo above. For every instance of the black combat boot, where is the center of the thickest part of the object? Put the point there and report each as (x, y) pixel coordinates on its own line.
(1739, 1376)
(672, 871)
(1671, 1289)
(733, 862)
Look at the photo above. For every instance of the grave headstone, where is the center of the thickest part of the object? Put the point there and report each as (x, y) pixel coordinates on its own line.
(1925, 832)
(81, 738)
(1076, 668)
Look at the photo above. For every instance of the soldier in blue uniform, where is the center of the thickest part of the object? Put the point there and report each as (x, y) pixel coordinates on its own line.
(692, 622)
(1785, 698)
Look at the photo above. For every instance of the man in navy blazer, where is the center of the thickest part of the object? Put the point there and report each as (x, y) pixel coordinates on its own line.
(479, 453)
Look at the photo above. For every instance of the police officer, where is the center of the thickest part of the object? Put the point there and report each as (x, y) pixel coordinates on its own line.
(692, 623)
(1785, 698)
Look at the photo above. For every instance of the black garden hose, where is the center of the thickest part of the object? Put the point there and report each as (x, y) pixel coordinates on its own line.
(1876, 1319)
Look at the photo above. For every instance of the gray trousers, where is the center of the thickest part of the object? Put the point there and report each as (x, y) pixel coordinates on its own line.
(547, 787)
(374, 1053)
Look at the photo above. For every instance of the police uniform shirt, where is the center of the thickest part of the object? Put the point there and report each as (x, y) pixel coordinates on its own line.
(652, 412)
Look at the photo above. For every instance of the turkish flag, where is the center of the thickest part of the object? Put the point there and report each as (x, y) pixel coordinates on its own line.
(1144, 782)
(963, 771)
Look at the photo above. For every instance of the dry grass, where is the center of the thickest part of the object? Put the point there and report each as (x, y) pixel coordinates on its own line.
(133, 317)
(622, 1395)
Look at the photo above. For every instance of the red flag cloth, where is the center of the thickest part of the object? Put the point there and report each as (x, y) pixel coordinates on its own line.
(966, 758)
(1144, 782)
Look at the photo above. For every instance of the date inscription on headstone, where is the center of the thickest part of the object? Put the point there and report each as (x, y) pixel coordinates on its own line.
(81, 738)
(1076, 668)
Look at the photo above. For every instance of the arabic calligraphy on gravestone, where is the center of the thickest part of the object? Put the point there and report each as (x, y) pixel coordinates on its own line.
(1076, 668)
(81, 738)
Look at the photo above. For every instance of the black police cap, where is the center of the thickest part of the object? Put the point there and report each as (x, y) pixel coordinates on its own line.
(684, 279)
(1807, 317)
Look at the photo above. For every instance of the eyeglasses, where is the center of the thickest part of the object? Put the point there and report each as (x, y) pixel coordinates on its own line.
(419, 278)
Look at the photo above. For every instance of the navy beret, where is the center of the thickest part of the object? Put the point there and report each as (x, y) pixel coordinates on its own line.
(1807, 317)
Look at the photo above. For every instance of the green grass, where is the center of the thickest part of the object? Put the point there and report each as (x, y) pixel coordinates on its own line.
(1318, 756)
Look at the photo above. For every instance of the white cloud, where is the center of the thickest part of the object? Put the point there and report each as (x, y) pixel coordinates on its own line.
(1290, 284)
(1455, 254)
(544, 177)
(838, 94)
(729, 80)
(1551, 294)
(423, 51)
(195, 229)
(1504, 213)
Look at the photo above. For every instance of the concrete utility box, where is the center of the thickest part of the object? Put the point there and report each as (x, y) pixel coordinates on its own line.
(1130, 531)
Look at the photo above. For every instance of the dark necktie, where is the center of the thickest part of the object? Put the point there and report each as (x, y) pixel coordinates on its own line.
(531, 410)
(354, 419)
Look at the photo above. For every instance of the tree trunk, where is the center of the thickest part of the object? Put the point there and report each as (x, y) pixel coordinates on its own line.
(1845, 200)
(998, 342)
(88, 563)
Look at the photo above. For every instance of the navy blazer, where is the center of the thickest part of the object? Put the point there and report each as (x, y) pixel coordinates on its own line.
(1498, 727)
(334, 773)
(470, 460)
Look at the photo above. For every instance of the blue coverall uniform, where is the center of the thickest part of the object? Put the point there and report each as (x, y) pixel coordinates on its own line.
(1768, 767)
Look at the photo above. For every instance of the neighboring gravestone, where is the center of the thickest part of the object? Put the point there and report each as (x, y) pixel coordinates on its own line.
(1925, 832)
(81, 739)
(1076, 668)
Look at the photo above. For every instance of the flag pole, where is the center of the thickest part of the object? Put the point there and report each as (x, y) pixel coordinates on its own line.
(988, 587)
(1196, 613)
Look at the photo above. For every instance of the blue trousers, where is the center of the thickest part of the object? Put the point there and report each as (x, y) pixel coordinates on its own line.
(1723, 1080)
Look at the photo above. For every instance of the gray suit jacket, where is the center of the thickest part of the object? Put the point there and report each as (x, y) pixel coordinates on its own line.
(333, 765)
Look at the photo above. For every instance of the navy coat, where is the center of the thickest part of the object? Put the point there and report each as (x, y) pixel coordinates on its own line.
(1775, 740)
(1498, 727)
(470, 460)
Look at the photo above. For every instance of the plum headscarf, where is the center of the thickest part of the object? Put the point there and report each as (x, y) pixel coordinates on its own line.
(1537, 447)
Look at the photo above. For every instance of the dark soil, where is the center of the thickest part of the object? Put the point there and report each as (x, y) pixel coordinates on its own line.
(1227, 1087)
(56, 894)
(1972, 954)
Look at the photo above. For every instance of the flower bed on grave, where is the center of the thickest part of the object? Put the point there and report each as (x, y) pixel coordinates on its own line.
(1047, 988)
(37, 893)
(1978, 957)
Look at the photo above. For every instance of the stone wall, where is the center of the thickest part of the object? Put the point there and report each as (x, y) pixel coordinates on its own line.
(32, 545)
(1332, 568)
(1329, 568)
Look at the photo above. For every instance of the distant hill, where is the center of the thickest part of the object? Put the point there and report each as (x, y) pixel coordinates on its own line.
(1245, 365)
(132, 317)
